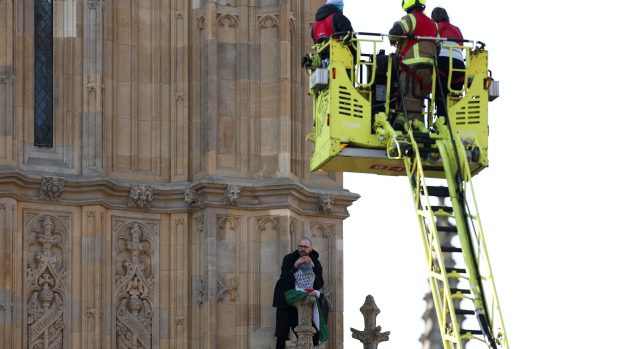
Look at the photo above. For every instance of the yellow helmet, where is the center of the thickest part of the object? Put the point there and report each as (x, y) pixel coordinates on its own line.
(421, 4)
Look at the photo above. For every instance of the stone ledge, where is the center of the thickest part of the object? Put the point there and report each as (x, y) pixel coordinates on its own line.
(213, 192)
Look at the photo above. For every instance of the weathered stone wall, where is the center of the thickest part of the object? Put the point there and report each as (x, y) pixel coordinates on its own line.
(7, 124)
(177, 181)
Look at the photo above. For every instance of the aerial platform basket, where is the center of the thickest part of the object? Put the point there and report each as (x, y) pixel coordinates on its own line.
(356, 94)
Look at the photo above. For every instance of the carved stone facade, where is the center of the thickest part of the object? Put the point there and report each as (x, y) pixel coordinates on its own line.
(135, 287)
(46, 281)
(177, 180)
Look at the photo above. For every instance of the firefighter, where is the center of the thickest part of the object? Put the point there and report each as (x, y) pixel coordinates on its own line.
(416, 56)
(329, 19)
(447, 54)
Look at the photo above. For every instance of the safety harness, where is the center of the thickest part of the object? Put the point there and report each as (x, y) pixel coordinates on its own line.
(405, 64)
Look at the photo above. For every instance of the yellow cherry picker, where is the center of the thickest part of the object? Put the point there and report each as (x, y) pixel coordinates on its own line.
(357, 100)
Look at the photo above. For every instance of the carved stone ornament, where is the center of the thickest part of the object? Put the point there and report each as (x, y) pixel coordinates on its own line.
(192, 199)
(201, 22)
(231, 196)
(326, 202)
(371, 336)
(51, 188)
(227, 287)
(90, 313)
(140, 195)
(228, 20)
(268, 21)
(134, 288)
(45, 285)
(93, 4)
(91, 87)
(201, 291)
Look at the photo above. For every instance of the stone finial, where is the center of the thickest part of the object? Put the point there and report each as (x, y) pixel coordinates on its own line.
(231, 196)
(371, 336)
(51, 188)
(140, 195)
(326, 202)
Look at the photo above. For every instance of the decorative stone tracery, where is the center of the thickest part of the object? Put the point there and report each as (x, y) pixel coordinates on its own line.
(229, 287)
(268, 21)
(93, 4)
(134, 287)
(224, 19)
(46, 284)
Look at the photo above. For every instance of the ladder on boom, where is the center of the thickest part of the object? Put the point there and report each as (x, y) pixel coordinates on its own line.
(475, 298)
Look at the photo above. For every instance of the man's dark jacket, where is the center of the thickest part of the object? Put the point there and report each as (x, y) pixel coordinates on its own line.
(287, 277)
(340, 22)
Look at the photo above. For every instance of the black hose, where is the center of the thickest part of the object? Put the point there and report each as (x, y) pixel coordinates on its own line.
(459, 175)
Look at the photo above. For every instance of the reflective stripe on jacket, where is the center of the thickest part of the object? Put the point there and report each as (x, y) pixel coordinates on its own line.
(413, 51)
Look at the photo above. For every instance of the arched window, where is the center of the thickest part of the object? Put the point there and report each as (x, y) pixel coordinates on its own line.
(43, 73)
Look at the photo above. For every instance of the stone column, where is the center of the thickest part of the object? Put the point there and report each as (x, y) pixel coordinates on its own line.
(371, 336)
(304, 330)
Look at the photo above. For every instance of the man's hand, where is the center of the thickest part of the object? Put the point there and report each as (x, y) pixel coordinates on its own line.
(308, 260)
(299, 262)
(303, 259)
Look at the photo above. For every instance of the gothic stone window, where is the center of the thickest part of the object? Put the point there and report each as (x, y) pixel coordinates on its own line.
(43, 73)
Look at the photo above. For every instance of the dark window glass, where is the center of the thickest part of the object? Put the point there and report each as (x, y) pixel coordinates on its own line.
(43, 73)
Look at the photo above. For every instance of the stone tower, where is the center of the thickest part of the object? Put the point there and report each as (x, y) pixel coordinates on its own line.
(154, 172)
